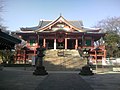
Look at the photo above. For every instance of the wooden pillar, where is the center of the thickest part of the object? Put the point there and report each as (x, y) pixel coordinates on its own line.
(76, 44)
(95, 56)
(96, 60)
(65, 43)
(24, 56)
(38, 39)
(44, 42)
(83, 38)
(92, 42)
(54, 44)
(105, 55)
(37, 45)
(34, 52)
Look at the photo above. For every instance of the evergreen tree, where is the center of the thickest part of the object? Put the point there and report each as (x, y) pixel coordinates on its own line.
(111, 26)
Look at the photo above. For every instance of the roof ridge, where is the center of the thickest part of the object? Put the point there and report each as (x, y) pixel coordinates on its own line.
(67, 20)
(81, 23)
(74, 20)
(40, 24)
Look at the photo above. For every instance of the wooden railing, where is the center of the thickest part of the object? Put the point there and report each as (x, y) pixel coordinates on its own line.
(95, 55)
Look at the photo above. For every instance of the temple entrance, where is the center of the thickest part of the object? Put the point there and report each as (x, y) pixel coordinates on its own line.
(79, 42)
(50, 43)
(71, 43)
(60, 44)
(60, 41)
(40, 41)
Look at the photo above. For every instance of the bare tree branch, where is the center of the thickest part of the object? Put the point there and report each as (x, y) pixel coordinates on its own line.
(1, 10)
(110, 24)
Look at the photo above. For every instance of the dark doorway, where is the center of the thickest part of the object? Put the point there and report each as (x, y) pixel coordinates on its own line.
(79, 42)
(40, 41)
(50, 43)
(71, 43)
(60, 44)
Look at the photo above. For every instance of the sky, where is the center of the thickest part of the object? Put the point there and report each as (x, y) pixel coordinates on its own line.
(28, 13)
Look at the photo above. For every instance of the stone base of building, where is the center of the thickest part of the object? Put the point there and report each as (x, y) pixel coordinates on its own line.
(116, 69)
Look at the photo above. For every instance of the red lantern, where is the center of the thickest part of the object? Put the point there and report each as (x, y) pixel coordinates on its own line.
(60, 40)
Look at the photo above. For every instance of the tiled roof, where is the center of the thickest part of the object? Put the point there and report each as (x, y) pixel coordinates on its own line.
(30, 28)
(91, 29)
(7, 41)
(77, 24)
(43, 23)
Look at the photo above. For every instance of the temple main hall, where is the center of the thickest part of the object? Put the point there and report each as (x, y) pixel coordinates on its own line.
(62, 34)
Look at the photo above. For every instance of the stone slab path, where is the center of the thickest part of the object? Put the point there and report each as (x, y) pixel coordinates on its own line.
(63, 81)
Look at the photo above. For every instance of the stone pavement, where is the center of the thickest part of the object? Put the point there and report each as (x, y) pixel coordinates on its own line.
(20, 79)
(64, 81)
(104, 81)
(12, 79)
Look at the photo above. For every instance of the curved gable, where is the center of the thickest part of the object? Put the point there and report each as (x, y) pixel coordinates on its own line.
(61, 20)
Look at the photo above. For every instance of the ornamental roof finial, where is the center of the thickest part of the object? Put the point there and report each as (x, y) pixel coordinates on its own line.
(60, 14)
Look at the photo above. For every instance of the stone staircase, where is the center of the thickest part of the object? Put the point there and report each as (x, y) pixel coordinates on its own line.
(62, 60)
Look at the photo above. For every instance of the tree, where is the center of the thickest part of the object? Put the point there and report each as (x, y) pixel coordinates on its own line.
(1, 9)
(2, 27)
(112, 39)
(111, 26)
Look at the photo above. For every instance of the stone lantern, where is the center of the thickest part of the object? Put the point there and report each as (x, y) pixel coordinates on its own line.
(40, 69)
(86, 69)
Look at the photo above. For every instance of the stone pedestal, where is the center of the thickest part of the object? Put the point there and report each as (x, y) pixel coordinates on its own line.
(40, 70)
(86, 71)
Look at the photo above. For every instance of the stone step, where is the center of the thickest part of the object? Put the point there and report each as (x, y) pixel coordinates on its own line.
(70, 61)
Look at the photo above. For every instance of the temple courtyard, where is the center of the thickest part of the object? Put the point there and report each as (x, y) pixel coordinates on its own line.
(16, 78)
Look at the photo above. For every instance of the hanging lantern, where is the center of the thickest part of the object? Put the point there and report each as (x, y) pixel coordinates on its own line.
(60, 40)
